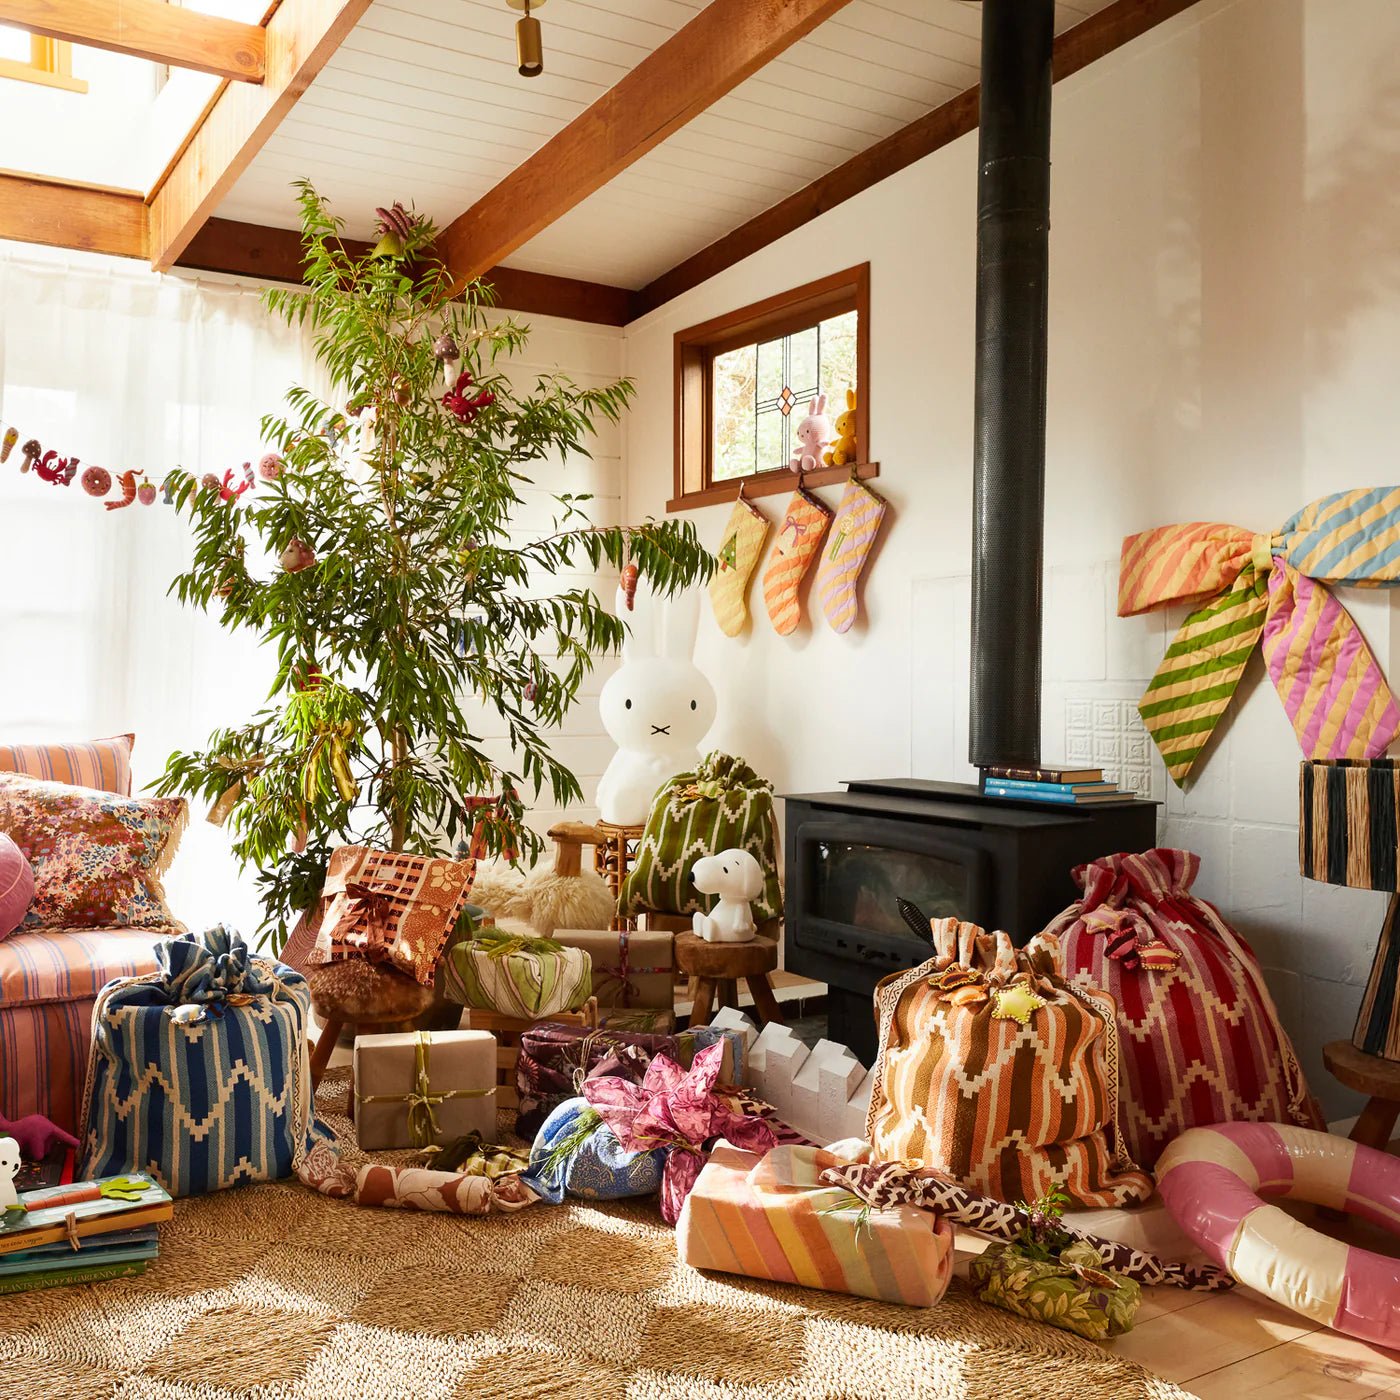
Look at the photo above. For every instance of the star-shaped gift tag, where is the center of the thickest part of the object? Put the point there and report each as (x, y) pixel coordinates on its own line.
(1016, 1003)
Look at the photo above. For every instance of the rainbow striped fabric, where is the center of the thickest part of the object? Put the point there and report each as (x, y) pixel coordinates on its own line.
(770, 1217)
(1269, 589)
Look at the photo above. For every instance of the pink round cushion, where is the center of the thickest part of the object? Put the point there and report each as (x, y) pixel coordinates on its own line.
(16, 885)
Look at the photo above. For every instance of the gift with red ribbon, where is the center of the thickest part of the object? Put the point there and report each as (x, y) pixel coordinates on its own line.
(633, 970)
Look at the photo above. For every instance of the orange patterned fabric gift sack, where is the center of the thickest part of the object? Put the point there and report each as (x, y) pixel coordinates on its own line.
(389, 906)
(995, 1070)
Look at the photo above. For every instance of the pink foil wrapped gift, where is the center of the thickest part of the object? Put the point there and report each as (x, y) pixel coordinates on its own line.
(679, 1110)
(772, 1218)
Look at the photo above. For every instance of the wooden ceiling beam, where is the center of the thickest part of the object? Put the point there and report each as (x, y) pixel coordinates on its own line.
(301, 37)
(149, 29)
(61, 215)
(726, 42)
(275, 255)
(1075, 48)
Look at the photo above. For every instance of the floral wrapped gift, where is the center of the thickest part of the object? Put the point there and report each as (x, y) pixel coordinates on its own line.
(555, 1059)
(424, 1087)
(527, 978)
(389, 906)
(634, 975)
(1053, 1276)
(576, 1154)
(771, 1217)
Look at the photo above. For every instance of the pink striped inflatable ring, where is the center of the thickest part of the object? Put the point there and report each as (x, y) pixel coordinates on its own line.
(1212, 1181)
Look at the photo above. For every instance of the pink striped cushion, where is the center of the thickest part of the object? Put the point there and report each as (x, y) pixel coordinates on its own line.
(43, 1060)
(104, 764)
(50, 964)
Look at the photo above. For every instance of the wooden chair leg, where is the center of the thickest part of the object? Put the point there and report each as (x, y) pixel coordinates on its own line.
(321, 1053)
(764, 1002)
(702, 1005)
(729, 992)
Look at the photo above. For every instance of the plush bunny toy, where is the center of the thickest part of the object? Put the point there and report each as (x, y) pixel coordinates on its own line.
(657, 706)
(814, 432)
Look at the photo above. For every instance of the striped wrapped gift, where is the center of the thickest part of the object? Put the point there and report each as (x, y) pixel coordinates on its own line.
(1348, 835)
(770, 1217)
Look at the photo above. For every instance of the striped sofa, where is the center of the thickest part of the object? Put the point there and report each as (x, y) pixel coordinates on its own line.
(49, 980)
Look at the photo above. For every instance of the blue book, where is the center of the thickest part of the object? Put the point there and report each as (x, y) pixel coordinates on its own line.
(1056, 799)
(121, 1246)
(1023, 785)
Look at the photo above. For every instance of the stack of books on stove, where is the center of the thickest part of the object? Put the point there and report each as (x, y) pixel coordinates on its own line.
(83, 1232)
(1063, 787)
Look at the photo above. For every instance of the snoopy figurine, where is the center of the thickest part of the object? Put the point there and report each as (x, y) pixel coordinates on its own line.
(9, 1169)
(736, 877)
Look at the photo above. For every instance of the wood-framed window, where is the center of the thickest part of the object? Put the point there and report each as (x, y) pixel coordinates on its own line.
(49, 62)
(743, 383)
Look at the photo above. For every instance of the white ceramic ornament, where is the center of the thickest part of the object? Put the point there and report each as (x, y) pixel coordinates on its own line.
(736, 877)
(9, 1169)
(656, 706)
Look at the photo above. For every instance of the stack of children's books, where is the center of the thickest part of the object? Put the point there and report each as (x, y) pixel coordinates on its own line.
(82, 1232)
(1063, 787)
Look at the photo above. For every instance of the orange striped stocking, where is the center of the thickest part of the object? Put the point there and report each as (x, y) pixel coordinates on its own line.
(852, 535)
(742, 543)
(804, 524)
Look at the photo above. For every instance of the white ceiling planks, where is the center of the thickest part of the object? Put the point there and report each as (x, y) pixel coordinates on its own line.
(423, 103)
(871, 69)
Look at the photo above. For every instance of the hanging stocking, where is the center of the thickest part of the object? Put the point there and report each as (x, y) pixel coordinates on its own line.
(804, 524)
(852, 535)
(744, 534)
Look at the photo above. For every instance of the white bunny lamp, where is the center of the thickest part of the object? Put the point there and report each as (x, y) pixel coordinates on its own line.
(736, 877)
(657, 706)
(9, 1169)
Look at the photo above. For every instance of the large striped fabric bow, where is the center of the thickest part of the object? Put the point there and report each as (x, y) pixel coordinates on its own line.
(1271, 587)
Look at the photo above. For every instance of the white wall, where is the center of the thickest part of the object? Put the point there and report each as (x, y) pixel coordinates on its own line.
(1225, 324)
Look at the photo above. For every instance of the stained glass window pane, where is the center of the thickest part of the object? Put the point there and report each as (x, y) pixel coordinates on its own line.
(763, 391)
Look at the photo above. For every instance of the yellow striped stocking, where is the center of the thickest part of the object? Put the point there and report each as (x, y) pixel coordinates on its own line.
(740, 546)
(853, 533)
(804, 524)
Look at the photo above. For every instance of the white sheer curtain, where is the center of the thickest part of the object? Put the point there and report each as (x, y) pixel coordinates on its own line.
(102, 358)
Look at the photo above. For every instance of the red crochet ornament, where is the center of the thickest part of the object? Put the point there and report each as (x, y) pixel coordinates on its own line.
(465, 409)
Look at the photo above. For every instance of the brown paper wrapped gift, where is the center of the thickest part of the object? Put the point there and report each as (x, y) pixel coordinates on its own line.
(632, 970)
(421, 1087)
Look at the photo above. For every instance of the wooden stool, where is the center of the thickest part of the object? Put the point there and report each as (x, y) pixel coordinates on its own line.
(368, 998)
(718, 966)
(1373, 1076)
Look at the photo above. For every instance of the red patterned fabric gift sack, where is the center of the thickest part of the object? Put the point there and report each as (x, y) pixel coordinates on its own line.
(1199, 1035)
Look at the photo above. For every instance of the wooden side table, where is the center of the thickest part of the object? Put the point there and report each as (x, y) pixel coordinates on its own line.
(1378, 1079)
(717, 968)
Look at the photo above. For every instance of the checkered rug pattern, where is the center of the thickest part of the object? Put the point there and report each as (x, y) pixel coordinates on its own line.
(273, 1291)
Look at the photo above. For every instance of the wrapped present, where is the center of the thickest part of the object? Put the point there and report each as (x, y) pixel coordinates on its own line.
(681, 1110)
(1072, 1291)
(417, 1088)
(576, 1154)
(641, 1019)
(199, 1072)
(770, 1217)
(518, 976)
(555, 1059)
(393, 907)
(734, 1064)
(632, 970)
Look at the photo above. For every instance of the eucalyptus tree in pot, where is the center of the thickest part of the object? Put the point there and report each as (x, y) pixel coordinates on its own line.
(405, 597)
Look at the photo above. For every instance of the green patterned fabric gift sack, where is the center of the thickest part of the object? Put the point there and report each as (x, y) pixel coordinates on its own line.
(723, 805)
(527, 978)
(1072, 1291)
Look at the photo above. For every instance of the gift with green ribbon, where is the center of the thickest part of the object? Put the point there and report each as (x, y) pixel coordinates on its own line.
(517, 975)
(422, 1088)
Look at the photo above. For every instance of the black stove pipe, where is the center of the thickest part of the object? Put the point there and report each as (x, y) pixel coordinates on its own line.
(1013, 247)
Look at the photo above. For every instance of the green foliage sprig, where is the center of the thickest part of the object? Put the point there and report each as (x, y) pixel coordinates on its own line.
(426, 602)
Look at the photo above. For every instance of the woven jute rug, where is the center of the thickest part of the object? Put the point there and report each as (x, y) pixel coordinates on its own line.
(275, 1291)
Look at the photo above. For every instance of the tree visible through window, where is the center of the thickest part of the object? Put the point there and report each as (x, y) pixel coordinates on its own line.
(763, 391)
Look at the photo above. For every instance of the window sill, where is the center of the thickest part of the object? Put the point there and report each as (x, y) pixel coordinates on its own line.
(26, 73)
(769, 484)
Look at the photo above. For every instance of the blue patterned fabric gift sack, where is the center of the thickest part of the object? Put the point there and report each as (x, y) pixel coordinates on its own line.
(199, 1072)
(576, 1154)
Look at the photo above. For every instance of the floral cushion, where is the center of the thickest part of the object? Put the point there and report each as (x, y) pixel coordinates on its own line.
(98, 857)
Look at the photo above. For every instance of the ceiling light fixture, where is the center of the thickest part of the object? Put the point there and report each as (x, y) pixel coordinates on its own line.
(529, 42)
